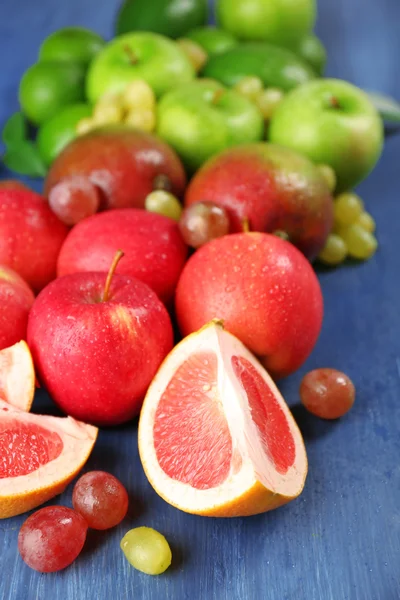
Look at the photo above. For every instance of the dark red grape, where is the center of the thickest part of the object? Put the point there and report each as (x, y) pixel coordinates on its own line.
(52, 538)
(101, 499)
(327, 393)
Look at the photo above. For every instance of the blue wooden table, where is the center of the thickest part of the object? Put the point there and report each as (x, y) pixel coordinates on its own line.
(341, 539)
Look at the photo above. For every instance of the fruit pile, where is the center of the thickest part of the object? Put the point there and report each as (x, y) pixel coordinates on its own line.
(193, 173)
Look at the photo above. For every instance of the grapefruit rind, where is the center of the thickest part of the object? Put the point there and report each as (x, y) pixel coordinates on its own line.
(256, 487)
(17, 376)
(23, 493)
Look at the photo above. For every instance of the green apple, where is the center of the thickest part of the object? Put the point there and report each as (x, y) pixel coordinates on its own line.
(75, 44)
(55, 133)
(48, 86)
(276, 67)
(203, 118)
(212, 39)
(332, 122)
(282, 22)
(154, 58)
(312, 50)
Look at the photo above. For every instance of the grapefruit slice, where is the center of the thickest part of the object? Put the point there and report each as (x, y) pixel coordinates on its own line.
(17, 376)
(39, 456)
(216, 437)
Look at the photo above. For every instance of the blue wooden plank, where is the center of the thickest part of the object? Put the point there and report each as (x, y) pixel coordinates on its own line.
(341, 539)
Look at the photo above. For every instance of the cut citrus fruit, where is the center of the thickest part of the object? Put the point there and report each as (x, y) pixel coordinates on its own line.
(216, 437)
(17, 376)
(39, 456)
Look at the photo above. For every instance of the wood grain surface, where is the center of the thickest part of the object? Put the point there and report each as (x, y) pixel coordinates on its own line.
(341, 539)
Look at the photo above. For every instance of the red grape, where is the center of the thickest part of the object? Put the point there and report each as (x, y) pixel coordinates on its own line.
(52, 538)
(73, 199)
(202, 222)
(327, 393)
(101, 499)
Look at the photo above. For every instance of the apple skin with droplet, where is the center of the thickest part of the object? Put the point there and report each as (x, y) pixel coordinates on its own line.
(97, 358)
(263, 290)
(271, 187)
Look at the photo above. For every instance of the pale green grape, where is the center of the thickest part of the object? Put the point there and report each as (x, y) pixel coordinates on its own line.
(329, 175)
(268, 101)
(334, 252)
(164, 203)
(250, 87)
(367, 222)
(348, 208)
(361, 244)
(147, 550)
(138, 95)
(195, 53)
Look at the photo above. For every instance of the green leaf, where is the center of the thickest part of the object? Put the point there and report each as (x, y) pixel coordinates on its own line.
(388, 107)
(24, 158)
(15, 129)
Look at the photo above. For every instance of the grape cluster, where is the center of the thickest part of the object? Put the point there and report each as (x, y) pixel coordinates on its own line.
(267, 99)
(135, 106)
(353, 232)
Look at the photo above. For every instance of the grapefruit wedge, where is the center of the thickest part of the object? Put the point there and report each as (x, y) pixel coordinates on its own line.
(39, 456)
(17, 376)
(216, 437)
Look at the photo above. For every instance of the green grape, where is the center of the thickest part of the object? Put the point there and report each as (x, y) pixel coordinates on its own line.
(138, 95)
(268, 101)
(250, 87)
(195, 53)
(143, 119)
(164, 203)
(147, 550)
(334, 251)
(348, 207)
(367, 222)
(107, 113)
(361, 244)
(329, 175)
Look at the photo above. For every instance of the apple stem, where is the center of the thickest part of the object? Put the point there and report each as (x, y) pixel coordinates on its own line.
(217, 96)
(162, 182)
(334, 102)
(281, 234)
(133, 59)
(106, 294)
(246, 225)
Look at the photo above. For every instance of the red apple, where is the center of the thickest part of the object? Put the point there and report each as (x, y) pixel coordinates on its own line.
(30, 236)
(154, 249)
(98, 345)
(274, 188)
(124, 164)
(16, 299)
(262, 288)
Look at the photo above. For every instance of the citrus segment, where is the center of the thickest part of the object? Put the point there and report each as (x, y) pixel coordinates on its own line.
(17, 376)
(40, 455)
(267, 415)
(187, 416)
(26, 447)
(216, 437)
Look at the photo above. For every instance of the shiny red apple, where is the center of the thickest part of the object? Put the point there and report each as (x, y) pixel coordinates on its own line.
(271, 187)
(97, 343)
(16, 299)
(30, 236)
(124, 165)
(262, 288)
(154, 249)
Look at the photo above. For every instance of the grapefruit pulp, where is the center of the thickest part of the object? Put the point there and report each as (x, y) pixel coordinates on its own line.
(39, 456)
(216, 437)
(17, 376)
